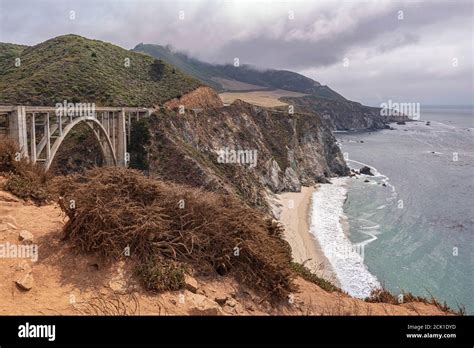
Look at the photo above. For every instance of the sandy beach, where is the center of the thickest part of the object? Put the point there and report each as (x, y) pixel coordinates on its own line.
(294, 215)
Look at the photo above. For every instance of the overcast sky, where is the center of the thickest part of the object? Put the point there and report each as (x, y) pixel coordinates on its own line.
(369, 51)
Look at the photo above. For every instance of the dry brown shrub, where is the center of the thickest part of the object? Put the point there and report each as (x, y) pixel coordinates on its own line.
(24, 179)
(171, 228)
(8, 155)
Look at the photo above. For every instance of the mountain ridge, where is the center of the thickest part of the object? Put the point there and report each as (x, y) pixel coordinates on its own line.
(241, 81)
(259, 77)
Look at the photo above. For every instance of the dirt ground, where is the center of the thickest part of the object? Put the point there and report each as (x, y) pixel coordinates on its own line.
(263, 98)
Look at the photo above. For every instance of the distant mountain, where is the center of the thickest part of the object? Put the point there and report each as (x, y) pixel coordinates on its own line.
(339, 112)
(78, 69)
(245, 77)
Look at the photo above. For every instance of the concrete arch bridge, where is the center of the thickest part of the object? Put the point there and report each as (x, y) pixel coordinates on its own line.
(40, 131)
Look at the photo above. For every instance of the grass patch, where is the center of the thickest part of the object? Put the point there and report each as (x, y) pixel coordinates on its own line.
(309, 276)
(161, 276)
(385, 296)
(26, 188)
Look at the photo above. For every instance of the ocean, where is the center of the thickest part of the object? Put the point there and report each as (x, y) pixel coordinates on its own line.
(412, 223)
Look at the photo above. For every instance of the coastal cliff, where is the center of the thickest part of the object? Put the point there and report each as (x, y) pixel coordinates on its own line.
(279, 152)
(343, 114)
(223, 159)
(339, 112)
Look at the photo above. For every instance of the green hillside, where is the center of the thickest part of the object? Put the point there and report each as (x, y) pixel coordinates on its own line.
(8, 53)
(200, 70)
(268, 78)
(78, 69)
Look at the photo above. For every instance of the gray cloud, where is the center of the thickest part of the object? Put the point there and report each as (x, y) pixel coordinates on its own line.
(379, 46)
(303, 53)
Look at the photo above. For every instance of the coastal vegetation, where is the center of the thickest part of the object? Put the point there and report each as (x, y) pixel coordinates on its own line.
(75, 68)
(385, 296)
(306, 274)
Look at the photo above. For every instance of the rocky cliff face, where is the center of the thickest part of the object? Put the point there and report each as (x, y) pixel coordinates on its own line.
(343, 114)
(242, 149)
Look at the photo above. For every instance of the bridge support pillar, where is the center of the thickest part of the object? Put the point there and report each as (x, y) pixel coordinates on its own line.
(108, 155)
(17, 129)
(121, 146)
(33, 139)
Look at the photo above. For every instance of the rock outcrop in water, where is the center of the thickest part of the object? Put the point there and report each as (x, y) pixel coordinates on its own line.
(366, 170)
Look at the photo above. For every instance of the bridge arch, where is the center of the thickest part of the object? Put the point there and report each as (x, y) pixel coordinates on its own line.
(111, 127)
(100, 133)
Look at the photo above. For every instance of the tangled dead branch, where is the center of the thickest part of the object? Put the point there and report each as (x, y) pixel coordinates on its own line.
(113, 305)
(171, 229)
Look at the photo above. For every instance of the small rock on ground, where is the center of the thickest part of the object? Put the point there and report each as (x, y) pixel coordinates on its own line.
(26, 237)
(191, 283)
(221, 300)
(25, 281)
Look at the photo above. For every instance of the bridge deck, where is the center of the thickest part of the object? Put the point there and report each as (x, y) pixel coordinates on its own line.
(10, 108)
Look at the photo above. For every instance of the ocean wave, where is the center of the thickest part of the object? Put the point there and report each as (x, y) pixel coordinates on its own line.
(375, 227)
(345, 258)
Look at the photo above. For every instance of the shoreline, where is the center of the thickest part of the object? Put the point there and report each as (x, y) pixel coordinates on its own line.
(295, 215)
(330, 227)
